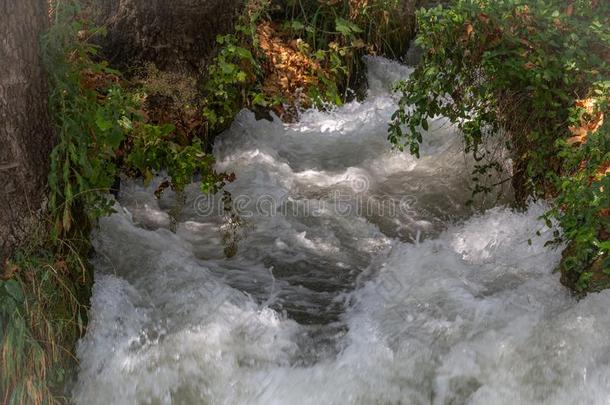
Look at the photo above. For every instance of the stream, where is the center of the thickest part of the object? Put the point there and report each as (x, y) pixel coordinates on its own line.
(359, 275)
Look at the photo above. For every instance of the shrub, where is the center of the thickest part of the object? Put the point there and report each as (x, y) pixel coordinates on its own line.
(102, 131)
(539, 71)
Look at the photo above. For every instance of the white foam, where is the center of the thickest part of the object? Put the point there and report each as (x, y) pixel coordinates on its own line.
(471, 313)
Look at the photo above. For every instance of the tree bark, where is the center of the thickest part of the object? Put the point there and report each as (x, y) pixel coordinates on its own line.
(176, 35)
(26, 136)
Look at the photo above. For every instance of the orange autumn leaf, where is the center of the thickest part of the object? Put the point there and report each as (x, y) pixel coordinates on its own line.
(579, 139)
(586, 126)
(602, 171)
(587, 103)
(468, 30)
(578, 131)
(596, 122)
(289, 71)
(529, 65)
(356, 7)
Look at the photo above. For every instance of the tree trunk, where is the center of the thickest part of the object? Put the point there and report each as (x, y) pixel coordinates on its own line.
(26, 137)
(174, 34)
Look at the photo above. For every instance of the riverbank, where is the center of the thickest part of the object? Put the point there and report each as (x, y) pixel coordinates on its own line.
(157, 124)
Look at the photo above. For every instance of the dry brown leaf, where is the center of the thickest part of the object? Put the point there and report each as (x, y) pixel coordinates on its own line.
(529, 66)
(484, 18)
(288, 69)
(602, 171)
(596, 122)
(468, 30)
(9, 270)
(579, 139)
(587, 103)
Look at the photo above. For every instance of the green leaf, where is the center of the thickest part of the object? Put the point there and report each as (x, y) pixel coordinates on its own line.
(101, 121)
(346, 28)
(227, 68)
(424, 124)
(241, 76)
(115, 138)
(243, 53)
(297, 25)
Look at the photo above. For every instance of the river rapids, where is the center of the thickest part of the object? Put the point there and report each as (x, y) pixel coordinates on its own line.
(358, 275)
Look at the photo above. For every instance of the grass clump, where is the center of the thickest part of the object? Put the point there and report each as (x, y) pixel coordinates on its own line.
(43, 311)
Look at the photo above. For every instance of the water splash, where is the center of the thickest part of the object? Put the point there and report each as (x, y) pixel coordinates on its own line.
(419, 300)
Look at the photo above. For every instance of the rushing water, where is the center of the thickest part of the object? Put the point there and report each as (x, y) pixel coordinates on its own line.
(361, 277)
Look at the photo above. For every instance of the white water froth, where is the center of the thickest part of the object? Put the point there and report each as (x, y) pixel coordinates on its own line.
(338, 309)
